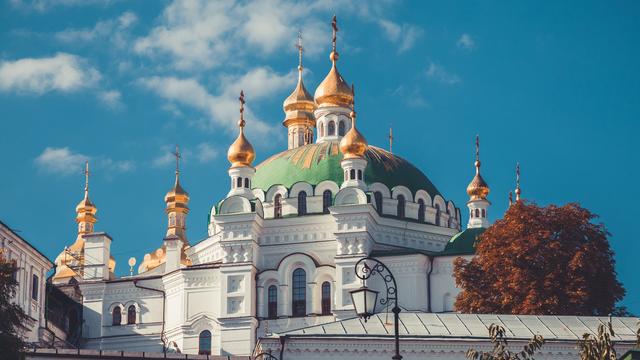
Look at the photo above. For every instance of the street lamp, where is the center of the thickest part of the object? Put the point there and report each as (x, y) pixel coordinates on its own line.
(365, 300)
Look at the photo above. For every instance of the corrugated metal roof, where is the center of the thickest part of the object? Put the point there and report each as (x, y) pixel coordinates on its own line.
(453, 325)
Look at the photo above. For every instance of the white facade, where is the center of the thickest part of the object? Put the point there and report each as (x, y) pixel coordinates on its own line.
(31, 277)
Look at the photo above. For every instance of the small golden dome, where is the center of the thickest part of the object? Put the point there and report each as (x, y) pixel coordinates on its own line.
(299, 106)
(333, 90)
(478, 189)
(241, 152)
(353, 144)
(86, 206)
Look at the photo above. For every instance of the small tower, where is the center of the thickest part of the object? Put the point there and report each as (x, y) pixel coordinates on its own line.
(298, 107)
(334, 99)
(241, 155)
(177, 200)
(353, 147)
(478, 191)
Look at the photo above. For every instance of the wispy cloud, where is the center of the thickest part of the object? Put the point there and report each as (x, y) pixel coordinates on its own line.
(411, 96)
(64, 161)
(438, 73)
(112, 29)
(206, 152)
(466, 42)
(403, 35)
(44, 5)
(62, 72)
(111, 98)
(222, 109)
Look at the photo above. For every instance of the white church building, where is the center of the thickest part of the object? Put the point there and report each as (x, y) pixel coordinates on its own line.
(276, 269)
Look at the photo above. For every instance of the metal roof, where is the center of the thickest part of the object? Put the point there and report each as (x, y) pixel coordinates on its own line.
(453, 325)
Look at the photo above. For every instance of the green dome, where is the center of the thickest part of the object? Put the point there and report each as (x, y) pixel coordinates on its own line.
(315, 163)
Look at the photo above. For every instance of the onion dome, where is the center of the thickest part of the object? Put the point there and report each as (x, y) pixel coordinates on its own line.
(241, 152)
(353, 144)
(86, 210)
(299, 106)
(334, 90)
(478, 189)
(177, 196)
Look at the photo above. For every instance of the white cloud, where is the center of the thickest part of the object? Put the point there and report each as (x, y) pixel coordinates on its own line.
(206, 152)
(111, 98)
(44, 5)
(60, 161)
(403, 35)
(466, 42)
(222, 109)
(439, 74)
(163, 160)
(113, 29)
(63, 161)
(62, 72)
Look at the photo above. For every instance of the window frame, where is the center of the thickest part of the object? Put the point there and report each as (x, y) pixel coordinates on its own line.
(299, 293)
(205, 336)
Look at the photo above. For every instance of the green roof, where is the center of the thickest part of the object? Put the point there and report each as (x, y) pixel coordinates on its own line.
(463, 243)
(315, 163)
(632, 354)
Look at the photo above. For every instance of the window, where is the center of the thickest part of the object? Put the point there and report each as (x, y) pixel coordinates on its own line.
(300, 138)
(378, 197)
(332, 128)
(477, 213)
(131, 315)
(352, 174)
(302, 203)
(341, 128)
(326, 201)
(359, 174)
(401, 206)
(246, 182)
(204, 343)
(277, 206)
(326, 298)
(272, 302)
(420, 210)
(484, 213)
(437, 214)
(239, 182)
(116, 316)
(299, 303)
(34, 287)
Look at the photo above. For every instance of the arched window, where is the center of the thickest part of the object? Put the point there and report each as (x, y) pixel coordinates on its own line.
(302, 203)
(204, 343)
(326, 201)
(401, 204)
(326, 298)
(321, 129)
(359, 174)
(437, 214)
(300, 138)
(341, 128)
(246, 182)
(484, 213)
(352, 174)
(277, 206)
(420, 210)
(239, 182)
(116, 316)
(272, 302)
(477, 212)
(378, 197)
(332, 128)
(299, 303)
(131, 315)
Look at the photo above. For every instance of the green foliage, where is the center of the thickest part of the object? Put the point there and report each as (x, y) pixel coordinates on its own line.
(600, 346)
(501, 349)
(12, 317)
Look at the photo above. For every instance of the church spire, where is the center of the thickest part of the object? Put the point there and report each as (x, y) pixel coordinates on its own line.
(298, 107)
(86, 210)
(177, 200)
(241, 156)
(478, 190)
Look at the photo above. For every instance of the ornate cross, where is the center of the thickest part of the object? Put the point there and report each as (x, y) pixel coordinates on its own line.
(300, 50)
(334, 25)
(477, 147)
(178, 157)
(241, 98)
(390, 139)
(86, 175)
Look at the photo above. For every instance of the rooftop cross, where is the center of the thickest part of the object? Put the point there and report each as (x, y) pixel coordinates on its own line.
(241, 98)
(300, 50)
(86, 178)
(334, 25)
(390, 139)
(178, 157)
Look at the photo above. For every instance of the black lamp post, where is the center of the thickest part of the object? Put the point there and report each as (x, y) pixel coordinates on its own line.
(365, 300)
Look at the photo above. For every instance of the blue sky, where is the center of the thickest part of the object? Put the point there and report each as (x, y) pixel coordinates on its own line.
(550, 84)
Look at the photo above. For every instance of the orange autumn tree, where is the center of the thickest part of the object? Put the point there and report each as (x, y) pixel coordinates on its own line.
(540, 260)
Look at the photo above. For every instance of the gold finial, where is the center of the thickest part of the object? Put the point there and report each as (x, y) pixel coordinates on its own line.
(300, 50)
(390, 139)
(518, 191)
(510, 198)
(334, 25)
(178, 157)
(241, 152)
(241, 122)
(86, 179)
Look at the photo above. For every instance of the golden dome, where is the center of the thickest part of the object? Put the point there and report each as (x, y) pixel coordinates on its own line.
(353, 144)
(241, 152)
(478, 189)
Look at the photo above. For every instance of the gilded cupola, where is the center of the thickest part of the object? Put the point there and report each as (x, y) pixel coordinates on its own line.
(334, 90)
(478, 189)
(177, 200)
(353, 144)
(241, 152)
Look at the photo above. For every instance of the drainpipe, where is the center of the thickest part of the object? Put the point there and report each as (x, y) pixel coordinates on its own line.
(164, 298)
(429, 284)
(282, 340)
